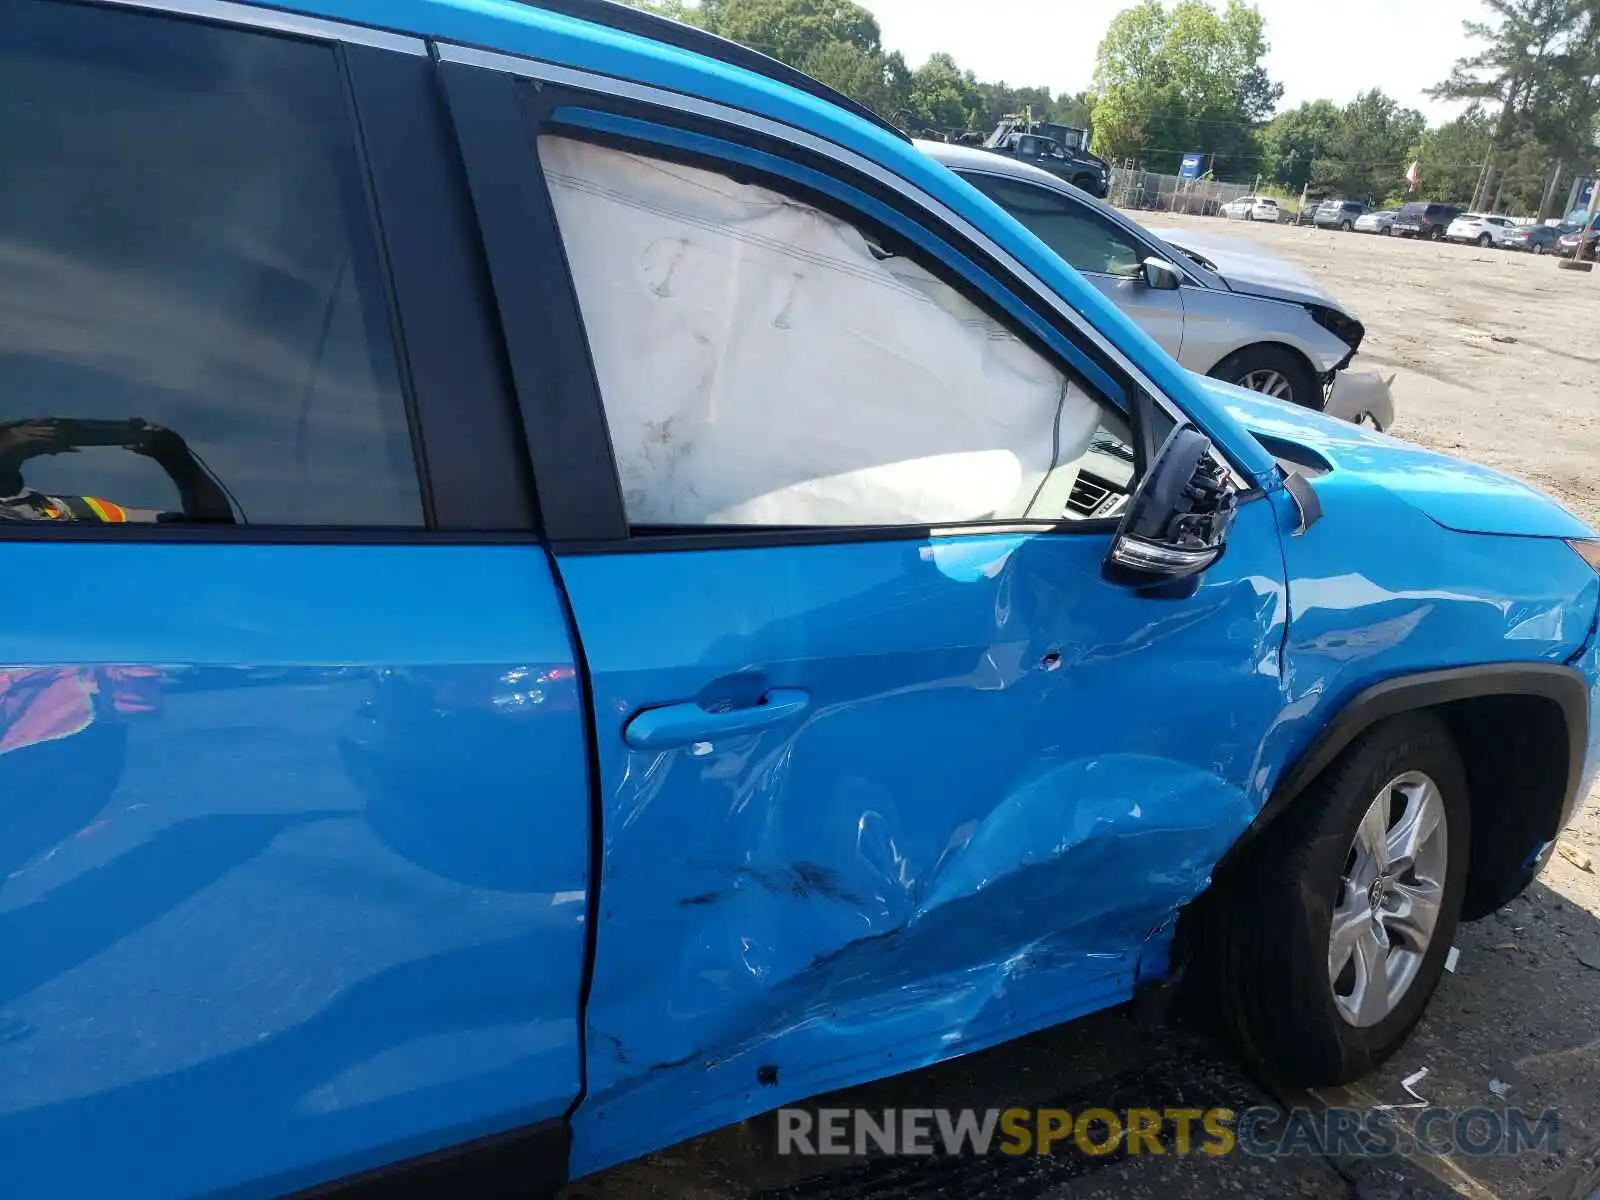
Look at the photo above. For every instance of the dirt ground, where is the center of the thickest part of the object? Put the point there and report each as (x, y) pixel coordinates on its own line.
(1493, 353)
(1492, 361)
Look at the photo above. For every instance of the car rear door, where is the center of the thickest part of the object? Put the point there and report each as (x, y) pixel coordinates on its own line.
(294, 832)
(887, 772)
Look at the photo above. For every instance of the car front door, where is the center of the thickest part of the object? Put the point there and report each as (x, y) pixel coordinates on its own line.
(294, 833)
(1104, 254)
(887, 772)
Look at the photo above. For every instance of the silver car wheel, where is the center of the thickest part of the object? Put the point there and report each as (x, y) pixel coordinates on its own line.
(1269, 382)
(1389, 899)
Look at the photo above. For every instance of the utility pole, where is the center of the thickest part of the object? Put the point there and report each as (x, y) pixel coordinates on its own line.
(1483, 182)
(1550, 191)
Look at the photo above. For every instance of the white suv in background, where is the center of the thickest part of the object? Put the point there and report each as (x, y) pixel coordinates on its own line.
(1476, 227)
(1251, 208)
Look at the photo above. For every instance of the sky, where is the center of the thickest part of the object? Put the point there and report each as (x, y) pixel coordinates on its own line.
(1320, 48)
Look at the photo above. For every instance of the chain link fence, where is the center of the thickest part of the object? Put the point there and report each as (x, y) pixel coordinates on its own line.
(1131, 188)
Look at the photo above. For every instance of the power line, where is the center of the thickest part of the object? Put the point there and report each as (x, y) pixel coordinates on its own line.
(1331, 162)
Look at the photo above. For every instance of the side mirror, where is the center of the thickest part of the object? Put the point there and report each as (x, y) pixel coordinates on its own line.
(1177, 523)
(1160, 275)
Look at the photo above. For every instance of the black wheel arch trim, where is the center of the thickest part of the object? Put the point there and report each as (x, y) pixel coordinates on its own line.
(1561, 684)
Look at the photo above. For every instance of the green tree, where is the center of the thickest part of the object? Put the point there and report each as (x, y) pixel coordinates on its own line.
(677, 10)
(1073, 108)
(944, 98)
(1293, 140)
(881, 82)
(1537, 66)
(1367, 156)
(1001, 99)
(792, 30)
(1188, 78)
(1450, 157)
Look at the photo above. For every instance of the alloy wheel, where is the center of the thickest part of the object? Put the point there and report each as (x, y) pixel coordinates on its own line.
(1268, 382)
(1389, 899)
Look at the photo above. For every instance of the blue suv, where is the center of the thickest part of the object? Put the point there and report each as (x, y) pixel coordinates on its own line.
(581, 589)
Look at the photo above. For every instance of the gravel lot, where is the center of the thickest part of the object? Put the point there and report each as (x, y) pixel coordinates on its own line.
(1493, 353)
(1492, 362)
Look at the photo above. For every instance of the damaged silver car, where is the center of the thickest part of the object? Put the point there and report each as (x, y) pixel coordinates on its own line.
(1217, 305)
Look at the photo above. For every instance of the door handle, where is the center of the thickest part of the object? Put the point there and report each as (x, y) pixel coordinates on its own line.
(680, 724)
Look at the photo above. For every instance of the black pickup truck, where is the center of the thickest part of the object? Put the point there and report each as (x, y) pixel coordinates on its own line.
(1060, 149)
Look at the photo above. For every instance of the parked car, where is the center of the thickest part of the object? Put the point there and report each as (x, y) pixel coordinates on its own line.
(1424, 220)
(1536, 239)
(1231, 312)
(1381, 221)
(1251, 208)
(1484, 229)
(1567, 245)
(720, 613)
(1307, 214)
(1339, 214)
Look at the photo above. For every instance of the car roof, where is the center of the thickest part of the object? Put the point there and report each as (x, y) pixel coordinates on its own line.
(975, 158)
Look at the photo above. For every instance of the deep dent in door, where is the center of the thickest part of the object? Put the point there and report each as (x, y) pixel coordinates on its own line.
(868, 889)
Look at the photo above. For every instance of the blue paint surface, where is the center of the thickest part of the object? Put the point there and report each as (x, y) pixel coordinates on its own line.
(1008, 775)
(293, 855)
(1453, 492)
(294, 840)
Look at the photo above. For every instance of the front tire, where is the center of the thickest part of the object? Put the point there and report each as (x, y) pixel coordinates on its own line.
(1274, 371)
(1436, 234)
(1485, 241)
(1319, 952)
(1387, 231)
(1347, 227)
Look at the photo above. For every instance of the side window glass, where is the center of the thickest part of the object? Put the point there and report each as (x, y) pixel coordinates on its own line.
(1086, 242)
(764, 363)
(194, 327)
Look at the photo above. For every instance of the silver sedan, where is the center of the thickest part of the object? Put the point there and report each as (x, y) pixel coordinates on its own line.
(1218, 306)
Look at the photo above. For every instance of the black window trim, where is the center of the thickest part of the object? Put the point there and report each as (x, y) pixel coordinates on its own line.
(454, 388)
(498, 116)
(540, 73)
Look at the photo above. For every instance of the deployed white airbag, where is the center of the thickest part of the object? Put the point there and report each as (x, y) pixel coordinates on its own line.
(763, 363)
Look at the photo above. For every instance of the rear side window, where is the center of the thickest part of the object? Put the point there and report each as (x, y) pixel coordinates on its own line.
(1087, 241)
(764, 363)
(193, 326)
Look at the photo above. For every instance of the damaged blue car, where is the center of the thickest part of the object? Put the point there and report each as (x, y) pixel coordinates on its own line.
(584, 589)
